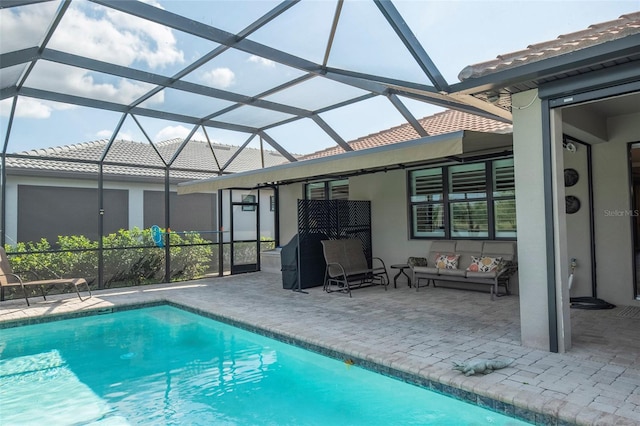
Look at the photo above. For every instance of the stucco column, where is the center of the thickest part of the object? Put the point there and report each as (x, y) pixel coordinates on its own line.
(540, 237)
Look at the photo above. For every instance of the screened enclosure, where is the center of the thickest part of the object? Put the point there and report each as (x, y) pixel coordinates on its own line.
(107, 106)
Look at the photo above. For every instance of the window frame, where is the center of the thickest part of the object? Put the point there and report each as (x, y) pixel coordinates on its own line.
(491, 197)
(328, 186)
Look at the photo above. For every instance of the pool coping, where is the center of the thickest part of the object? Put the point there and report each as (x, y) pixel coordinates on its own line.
(363, 360)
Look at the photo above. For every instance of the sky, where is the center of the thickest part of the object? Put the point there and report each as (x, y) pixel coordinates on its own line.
(455, 33)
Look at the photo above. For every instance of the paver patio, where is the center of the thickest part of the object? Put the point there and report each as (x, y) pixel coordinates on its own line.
(418, 335)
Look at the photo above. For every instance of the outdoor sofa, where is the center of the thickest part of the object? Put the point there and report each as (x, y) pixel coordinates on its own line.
(489, 263)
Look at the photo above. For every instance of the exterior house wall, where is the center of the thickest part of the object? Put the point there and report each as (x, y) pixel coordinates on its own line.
(288, 210)
(135, 205)
(612, 198)
(389, 215)
(136, 191)
(613, 232)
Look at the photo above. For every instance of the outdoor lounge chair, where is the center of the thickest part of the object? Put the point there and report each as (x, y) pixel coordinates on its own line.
(8, 279)
(347, 267)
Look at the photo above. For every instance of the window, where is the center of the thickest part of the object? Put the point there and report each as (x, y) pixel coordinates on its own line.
(248, 199)
(427, 198)
(468, 201)
(332, 190)
(473, 200)
(339, 190)
(504, 192)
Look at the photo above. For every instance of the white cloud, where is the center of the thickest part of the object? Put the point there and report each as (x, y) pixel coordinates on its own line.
(93, 30)
(262, 61)
(31, 108)
(220, 77)
(25, 26)
(76, 81)
(26, 108)
(106, 134)
(179, 131)
(116, 37)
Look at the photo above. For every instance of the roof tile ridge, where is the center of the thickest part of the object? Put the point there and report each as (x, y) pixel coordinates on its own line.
(168, 141)
(631, 17)
(381, 132)
(64, 148)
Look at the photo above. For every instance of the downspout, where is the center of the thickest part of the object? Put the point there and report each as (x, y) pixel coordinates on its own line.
(549, 230)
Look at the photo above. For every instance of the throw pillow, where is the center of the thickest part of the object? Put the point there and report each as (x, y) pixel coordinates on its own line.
(447, 261)
(484, 264)
(417, 261)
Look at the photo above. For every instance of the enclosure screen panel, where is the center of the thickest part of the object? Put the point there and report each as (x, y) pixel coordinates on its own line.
(49, 211)
(191, 212)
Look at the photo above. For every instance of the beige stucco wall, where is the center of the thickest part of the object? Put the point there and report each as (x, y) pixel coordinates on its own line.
(612, 203)
(389, 216)
(387, 193)
(288, 196)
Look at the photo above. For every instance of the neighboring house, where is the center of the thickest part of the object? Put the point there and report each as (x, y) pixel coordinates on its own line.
(47, 187)
(575, 104)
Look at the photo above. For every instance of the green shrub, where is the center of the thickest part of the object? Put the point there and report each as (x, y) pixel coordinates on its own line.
(128, 258)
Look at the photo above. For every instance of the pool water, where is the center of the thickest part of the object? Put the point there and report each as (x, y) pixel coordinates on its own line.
(163, 365)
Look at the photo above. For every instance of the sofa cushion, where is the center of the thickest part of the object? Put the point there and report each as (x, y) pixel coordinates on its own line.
(447, 261)
(442, 246)
(488, 275)
(469, 246)
(466, 249)
(452, 272)
(504, 249)
(484, 264)
(417, 261)
(425, 270)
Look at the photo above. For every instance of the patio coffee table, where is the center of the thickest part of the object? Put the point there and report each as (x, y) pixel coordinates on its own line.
(402, 267)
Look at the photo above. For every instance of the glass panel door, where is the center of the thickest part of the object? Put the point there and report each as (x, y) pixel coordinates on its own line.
(244, 231)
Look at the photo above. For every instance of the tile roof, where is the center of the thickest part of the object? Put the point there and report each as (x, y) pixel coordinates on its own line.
(626, 25)
(195, 157)
(443, 122)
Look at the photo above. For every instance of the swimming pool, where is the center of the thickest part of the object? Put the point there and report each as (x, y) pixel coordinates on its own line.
(163, 365)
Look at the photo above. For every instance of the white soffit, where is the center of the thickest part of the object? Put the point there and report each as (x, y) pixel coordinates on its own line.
(404, 153)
